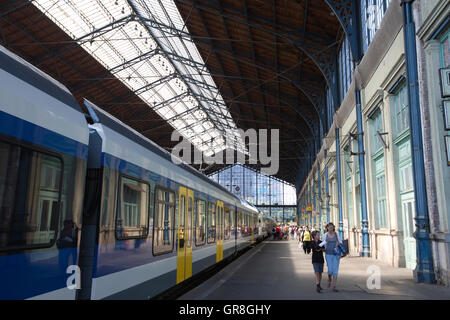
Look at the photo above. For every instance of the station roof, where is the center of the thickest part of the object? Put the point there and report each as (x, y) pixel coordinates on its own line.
(203, 67)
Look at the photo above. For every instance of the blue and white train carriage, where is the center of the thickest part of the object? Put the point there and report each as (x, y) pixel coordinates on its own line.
(159, 223)
(43, 154)
(101, 197)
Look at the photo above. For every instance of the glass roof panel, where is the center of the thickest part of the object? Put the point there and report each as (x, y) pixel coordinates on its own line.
(142, 42)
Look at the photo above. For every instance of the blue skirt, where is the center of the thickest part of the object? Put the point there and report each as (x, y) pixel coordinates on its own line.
(332, 264)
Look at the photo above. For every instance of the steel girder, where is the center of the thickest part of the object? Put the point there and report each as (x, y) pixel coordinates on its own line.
(222, 70)
(118, 68)
(237, 66)
(83, 39)
(347, 12)
(51, 53)
(212, 45)
(146, 87)
(309, 91)
(253, 57)
(318, 51)
(158, 41)
(290, 104)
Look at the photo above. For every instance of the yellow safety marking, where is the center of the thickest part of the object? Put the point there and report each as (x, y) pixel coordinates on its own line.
(181, 245)
(190, 237)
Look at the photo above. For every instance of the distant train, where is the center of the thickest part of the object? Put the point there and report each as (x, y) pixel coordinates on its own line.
(86, 195)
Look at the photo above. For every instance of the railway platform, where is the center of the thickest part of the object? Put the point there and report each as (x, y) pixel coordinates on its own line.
(280, 270)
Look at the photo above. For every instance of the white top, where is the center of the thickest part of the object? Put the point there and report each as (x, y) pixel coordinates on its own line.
(324, 239)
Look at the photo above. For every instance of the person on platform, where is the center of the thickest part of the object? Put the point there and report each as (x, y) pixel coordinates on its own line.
(330, 241)
(300, 234)
(278, 232)
(306, 239)
(317, 258)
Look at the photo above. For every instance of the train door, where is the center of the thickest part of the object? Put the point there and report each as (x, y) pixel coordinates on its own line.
(219, 228)
(184, 234)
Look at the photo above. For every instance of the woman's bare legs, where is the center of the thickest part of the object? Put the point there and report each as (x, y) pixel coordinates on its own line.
(334, 283)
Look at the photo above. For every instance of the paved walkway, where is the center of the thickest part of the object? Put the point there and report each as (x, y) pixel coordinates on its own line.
(279, 270)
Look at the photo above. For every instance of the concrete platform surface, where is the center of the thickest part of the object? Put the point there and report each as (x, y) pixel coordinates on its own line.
(280, 270)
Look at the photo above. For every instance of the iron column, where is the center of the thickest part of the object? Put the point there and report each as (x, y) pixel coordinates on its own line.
(326, 193)
(338, 171)
(362, 177)
(314, 200)
(424, 271)
(308, 201)
(320, 203)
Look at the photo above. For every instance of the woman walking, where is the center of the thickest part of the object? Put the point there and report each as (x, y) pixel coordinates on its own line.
(306, 239)
(330, 241)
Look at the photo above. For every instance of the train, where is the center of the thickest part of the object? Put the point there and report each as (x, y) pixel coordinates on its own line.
(92, 209)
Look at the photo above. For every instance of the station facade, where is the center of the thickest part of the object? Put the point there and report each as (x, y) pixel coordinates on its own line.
(333, 188)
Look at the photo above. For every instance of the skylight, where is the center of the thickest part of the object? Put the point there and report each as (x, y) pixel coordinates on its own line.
(145, 44)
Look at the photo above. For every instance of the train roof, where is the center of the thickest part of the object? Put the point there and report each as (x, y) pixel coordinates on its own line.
(246, 204)
(99, 115)
(28, 73)
(31, 100)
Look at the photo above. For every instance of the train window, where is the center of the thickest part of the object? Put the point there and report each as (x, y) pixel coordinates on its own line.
(132, 216)
(232, 222)
(211, 222)
(163, 222)
(189, 223)
(220, 223)
(30, 197)
(200, 223)
(246, 223)
(239, 222)
(226, 224)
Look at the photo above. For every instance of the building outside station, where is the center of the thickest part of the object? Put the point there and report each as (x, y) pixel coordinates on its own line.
(272, 196)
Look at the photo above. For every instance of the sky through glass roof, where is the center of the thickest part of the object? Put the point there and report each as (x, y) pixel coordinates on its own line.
(145, 44)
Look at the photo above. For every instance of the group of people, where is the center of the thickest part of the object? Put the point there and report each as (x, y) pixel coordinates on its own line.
(331, 245)
(283, 232)
(310, 241)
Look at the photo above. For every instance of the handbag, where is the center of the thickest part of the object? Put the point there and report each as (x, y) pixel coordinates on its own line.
(340, 250)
